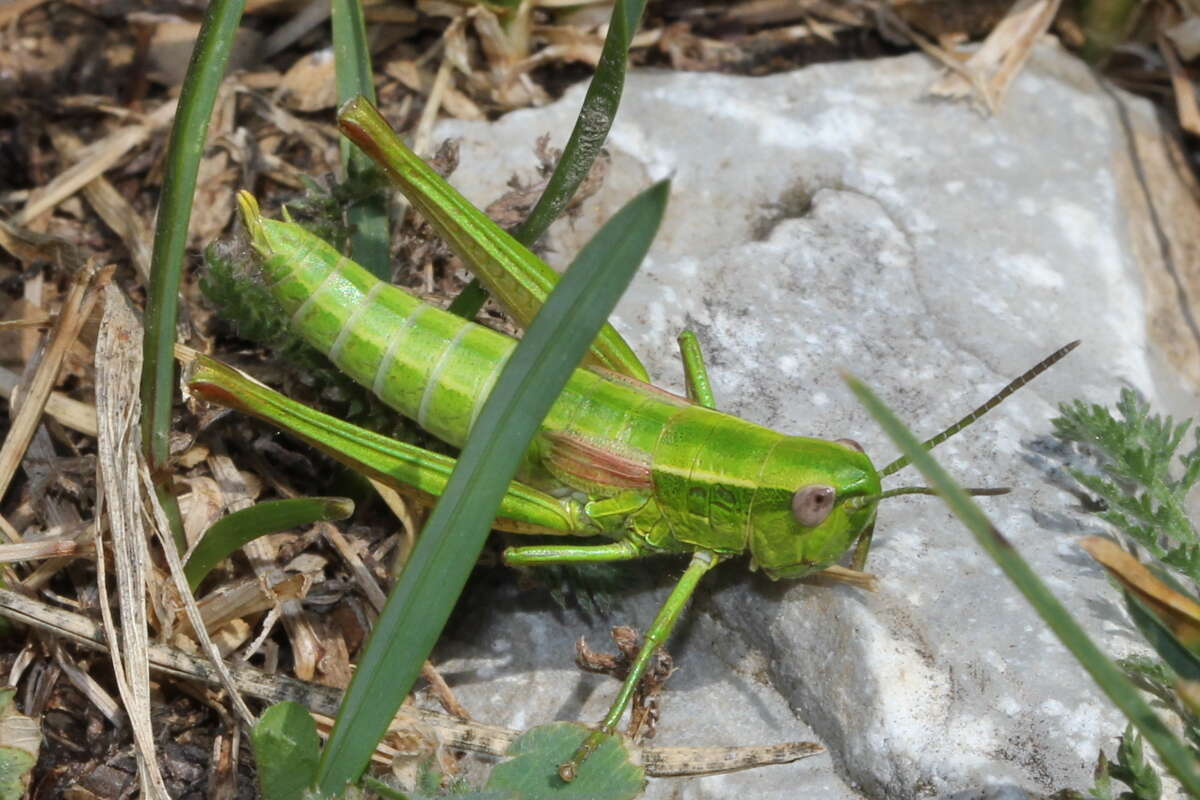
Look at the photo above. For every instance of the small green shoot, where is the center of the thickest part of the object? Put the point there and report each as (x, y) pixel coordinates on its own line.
(1140, 479)
(1131, 768)
(1135, 455)
(232, 532)
(286, 749)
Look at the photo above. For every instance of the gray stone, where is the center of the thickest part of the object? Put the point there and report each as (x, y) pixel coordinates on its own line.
(836, 219)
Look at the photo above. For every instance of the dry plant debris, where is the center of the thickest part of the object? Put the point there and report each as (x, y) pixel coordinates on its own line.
(90, 93)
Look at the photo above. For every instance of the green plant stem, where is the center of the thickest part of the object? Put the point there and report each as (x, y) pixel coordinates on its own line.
(184, 151)
(595, 118)
(370, 237)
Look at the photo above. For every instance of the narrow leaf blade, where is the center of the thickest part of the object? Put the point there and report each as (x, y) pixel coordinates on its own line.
(422, 599)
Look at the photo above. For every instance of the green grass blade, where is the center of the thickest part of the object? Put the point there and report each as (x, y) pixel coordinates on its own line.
(595, 118)
(422, 599)
(370, 238)
(1107, 675)
(184, 150)
(232, 532)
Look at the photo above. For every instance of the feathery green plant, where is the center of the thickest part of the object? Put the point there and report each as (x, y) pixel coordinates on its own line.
(1141, 478)
(1134, 456)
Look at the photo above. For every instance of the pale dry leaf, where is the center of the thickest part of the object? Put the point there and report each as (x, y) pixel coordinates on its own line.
(201, 506)
(1185, 36)
(261, 553)
(309, 84)
(118, 378)
(993, 67)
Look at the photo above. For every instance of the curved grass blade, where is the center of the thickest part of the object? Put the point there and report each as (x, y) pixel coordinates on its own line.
(422, 599)
(595, 118)
(184, 149)
(1107, 675)
(517, 278)
(231, 532)
(370, 237)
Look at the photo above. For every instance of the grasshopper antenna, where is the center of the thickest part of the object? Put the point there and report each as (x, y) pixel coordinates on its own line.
(866, 500)
(997, 399)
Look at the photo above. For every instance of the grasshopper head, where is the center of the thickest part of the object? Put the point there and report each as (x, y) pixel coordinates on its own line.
(809, 506)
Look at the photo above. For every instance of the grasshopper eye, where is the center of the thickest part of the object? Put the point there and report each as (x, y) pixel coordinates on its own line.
(812, 504)
(853, 445)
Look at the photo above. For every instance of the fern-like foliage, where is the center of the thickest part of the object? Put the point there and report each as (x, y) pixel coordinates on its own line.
(1142, 479)
(1142, 489)
(1131, 768)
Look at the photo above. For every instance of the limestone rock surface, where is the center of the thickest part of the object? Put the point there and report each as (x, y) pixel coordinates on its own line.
(835, 218)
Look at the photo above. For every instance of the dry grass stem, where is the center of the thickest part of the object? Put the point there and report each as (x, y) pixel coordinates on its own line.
(472, 736)
(76, 308)
(94, 160)
(110, 205)
(76, 415)
(992, 68)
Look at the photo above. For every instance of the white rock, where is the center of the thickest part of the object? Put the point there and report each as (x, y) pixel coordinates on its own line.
(834, 218)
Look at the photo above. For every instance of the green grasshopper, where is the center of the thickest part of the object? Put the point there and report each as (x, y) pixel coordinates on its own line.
(648, 471)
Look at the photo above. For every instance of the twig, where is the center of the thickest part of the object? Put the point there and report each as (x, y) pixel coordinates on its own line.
(75, 311)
